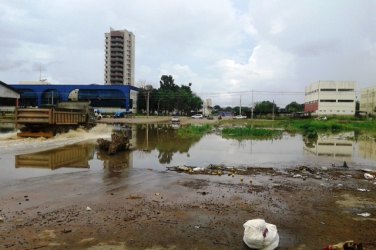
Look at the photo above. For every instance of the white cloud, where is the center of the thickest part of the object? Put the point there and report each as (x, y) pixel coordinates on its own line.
(219, 45)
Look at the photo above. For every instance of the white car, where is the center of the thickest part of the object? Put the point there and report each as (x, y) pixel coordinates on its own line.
(197, 116)
(240, 117)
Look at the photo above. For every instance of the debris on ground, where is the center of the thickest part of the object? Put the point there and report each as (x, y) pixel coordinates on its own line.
(260, 235)
(363, 190)
(347, 245)
(119, 142)
(88, 208)
(220, 170)
(364, 214)
(367, 170)
(1, 219)
(369, 176)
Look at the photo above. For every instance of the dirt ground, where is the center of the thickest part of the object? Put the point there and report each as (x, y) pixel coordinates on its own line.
(185, 209)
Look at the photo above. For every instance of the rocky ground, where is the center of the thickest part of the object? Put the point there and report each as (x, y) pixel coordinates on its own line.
(187, 208)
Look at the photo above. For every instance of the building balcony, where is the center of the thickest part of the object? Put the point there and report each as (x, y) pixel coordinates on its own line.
(118, 60)
(117, 46)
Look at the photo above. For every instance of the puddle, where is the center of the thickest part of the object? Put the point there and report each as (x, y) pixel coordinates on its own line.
(356, 206)
(158, 146)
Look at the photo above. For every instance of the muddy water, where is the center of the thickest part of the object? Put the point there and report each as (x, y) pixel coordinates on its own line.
(155, 147)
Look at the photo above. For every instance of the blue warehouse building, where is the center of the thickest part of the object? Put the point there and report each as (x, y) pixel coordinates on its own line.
(107, 97)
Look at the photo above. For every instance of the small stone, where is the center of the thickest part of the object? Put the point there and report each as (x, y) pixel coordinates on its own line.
(88, 208)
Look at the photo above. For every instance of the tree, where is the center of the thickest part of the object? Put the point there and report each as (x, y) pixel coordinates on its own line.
(171, 98)
(217, 107)
(294, 107)
(265, 107)
(168, 83)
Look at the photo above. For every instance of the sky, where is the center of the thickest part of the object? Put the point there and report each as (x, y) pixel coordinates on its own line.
(232, 51)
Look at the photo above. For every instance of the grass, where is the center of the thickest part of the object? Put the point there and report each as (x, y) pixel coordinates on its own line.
(310, 127)
(250, 133)
(194, 130)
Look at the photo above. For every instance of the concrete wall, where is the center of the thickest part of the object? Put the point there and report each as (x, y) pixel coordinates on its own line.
(368, 101)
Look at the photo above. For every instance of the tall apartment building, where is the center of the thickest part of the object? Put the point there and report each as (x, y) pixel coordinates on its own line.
(368, 101)
(330, 98)
(119, 58)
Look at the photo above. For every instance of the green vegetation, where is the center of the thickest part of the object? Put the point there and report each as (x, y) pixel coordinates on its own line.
(309, 127)
(168, 98)
(194, 131)
(250, 133)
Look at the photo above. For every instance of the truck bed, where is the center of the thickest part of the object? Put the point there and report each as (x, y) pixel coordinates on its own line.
(50, 116)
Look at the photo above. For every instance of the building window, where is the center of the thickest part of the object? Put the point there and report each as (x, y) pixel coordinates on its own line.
(328, 90)
(327, 100)
(345, 89)
(345, 100)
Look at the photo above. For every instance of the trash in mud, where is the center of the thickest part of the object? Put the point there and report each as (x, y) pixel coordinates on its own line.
(260, 235)
(297, 176)
(88, 208)
(368, 176)
(363, 190)
(347, 245)
(119, 142)
(367, 170)
(364, 214)
(220, 170)
(1, 219)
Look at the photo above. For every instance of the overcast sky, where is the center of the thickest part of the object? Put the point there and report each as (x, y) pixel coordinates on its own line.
(225, 48)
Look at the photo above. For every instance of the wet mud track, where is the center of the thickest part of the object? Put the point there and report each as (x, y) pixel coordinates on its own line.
(149, 209)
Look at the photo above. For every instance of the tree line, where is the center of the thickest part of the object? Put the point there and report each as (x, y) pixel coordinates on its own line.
(264, 107)
(169, 98)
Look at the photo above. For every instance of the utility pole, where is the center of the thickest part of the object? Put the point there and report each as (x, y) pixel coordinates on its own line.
(273, 111)
(240, 107)
(252, 107)
(148, 88)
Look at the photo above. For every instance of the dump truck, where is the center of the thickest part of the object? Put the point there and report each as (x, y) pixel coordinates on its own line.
(48, 121)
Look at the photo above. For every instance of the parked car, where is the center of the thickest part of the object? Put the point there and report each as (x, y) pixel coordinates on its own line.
(122, 114)
(197, 116)
(240, 117)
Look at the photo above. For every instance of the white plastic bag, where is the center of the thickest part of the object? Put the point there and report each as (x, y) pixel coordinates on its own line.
(260, 235)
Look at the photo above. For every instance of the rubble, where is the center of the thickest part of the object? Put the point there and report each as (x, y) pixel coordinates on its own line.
(119, 142)
(347, 245)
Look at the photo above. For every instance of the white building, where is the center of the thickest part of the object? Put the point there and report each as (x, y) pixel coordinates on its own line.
(207, 107)
(368, 101)
(119, 57)
(330, 98)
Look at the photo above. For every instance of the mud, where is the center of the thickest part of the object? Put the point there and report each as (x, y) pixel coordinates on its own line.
(150, 209)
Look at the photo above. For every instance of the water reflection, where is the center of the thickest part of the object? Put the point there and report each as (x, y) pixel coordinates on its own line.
(162, 138)
(117, 162)
(72, 156)
(333, 146)
(367, 149)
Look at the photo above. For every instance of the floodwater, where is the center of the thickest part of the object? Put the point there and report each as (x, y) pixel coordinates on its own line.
(156, 147)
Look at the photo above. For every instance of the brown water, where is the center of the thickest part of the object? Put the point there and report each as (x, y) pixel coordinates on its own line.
(156, 147)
